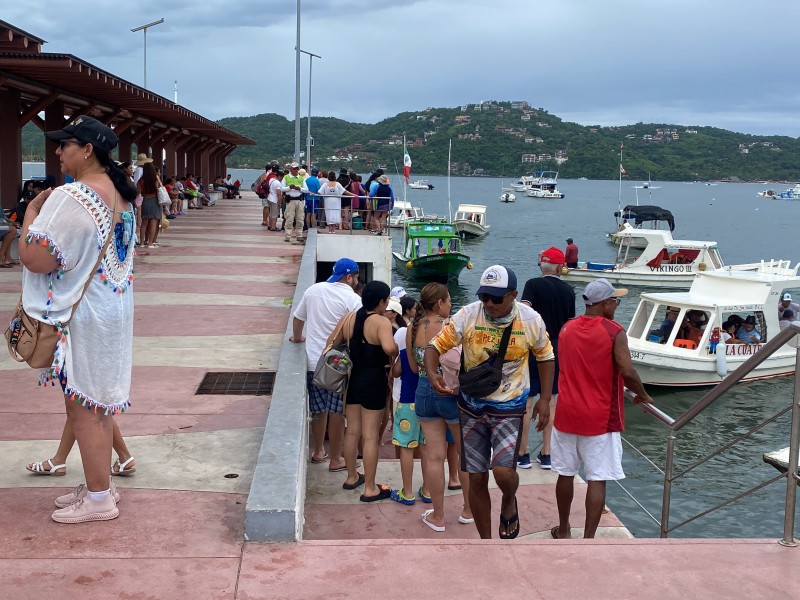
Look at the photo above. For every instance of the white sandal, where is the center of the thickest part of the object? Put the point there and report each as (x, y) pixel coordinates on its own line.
(118, 468)
(54, 471)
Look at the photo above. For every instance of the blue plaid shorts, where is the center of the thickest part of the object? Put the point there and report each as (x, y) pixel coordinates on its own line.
(321, 400)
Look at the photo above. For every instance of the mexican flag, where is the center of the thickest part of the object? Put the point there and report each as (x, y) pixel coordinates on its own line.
(406, 163)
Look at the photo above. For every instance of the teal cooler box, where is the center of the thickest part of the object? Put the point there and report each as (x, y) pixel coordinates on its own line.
(357, 222)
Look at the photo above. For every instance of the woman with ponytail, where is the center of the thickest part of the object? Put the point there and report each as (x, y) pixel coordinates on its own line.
(437, 414)
(63, 234)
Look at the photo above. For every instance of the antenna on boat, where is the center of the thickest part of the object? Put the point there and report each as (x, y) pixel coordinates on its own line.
(621, 171)
(449, 207)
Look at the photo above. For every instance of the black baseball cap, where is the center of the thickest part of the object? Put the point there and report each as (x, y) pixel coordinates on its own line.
(88, 130)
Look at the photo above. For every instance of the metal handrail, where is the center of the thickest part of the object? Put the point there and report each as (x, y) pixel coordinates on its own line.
(712, 396)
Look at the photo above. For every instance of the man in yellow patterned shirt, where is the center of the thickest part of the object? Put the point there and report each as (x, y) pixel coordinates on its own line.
(491, 424)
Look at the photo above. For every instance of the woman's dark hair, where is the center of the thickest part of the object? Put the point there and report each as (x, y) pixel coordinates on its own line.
(373, 293)
(332, 176)
(118, 177)
(148, 180)
(428, 297)
(168, 180)
(408, 303)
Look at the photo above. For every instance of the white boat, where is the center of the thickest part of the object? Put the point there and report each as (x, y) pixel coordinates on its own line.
(768, 194)
(420, 184)
(523, 184)
(544, 185)
(470, 221)
(664, 262)
(507, 197)
(695, 358)
(791, 193)
(403, 211)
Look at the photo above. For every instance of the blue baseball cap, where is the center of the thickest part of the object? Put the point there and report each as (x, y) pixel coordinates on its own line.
(343, 266)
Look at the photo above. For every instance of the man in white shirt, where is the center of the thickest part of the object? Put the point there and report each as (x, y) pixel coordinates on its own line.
(322, 306)
(274, 200)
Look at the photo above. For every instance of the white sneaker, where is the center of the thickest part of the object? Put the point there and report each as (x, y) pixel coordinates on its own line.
(85, 509)
(79, 492)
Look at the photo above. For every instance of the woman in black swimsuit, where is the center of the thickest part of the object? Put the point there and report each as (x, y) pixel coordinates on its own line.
(372, 350)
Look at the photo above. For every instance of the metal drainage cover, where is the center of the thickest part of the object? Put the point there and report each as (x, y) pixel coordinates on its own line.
(257, 383)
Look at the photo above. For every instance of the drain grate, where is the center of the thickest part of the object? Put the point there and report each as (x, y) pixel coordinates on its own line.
(258, 383)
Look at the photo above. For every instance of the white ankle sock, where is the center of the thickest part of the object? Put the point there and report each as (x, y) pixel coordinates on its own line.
(99, 496)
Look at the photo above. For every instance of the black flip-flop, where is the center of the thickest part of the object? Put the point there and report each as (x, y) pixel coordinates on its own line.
(506, 523)
(554, 533)
(351, 486)
(384, 493)
(453, 488)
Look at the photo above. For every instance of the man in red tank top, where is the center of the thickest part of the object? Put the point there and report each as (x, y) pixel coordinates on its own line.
(595, 366)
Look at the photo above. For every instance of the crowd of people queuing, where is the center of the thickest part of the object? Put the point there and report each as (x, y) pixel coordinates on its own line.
(412, 365)
(311, 198)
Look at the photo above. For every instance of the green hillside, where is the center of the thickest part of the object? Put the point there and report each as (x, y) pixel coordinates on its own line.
(492, 139)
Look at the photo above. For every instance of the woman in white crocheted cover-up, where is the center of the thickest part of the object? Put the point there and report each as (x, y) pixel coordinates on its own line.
(62, 235)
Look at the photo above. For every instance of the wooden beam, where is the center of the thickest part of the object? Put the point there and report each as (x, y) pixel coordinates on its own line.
(37, 107)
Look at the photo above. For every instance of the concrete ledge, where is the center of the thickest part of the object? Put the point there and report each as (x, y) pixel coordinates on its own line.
(274, 511)
(216, 196)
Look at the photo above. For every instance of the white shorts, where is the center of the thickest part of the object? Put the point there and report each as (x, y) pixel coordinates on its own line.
(600, 455)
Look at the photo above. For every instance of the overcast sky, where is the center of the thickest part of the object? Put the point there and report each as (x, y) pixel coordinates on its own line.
(726, 63)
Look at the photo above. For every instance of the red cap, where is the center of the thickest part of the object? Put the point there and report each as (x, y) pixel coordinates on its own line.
(554, 256)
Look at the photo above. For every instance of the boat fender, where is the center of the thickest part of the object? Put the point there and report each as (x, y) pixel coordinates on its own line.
(702, 266)
(409, 265)
(469, 266)
(722, 363)
(564, 271)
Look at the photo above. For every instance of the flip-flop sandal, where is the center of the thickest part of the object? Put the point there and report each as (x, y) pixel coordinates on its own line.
(554, 533)
(398, 496)
(6, 266)
(384, 493)
(453, 488)
(119, 469)
(436, 528)
(504, 532)
(342, 468)
(316, 461)
(464, 520)
(351, 486)
(37, 468)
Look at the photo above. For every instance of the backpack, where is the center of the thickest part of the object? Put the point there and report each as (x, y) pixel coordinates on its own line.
(262, 191)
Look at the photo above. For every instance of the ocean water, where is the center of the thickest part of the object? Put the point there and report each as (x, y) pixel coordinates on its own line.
(747, 229)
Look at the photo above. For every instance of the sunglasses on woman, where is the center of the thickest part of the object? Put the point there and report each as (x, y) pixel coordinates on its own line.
(63, 143)
(494, 299)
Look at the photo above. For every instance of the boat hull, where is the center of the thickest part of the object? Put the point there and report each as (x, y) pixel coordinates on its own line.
(638, 278)
(470, 230)
(660, 370)
(435, 267)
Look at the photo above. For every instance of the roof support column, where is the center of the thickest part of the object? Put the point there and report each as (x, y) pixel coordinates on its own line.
(53, 120)
(125, 143)
(10, 147)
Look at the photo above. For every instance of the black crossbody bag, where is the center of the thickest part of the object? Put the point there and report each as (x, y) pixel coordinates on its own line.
(484, 380)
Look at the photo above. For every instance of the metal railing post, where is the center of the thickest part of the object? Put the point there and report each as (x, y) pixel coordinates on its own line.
(665, 498)
(791, 475)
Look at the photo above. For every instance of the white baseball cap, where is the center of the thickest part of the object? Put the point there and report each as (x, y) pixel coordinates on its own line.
(787, 296)
(394, 304)
(398, 292)
(601, 289)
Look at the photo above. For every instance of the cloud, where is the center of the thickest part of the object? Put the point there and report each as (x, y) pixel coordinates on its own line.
(719, 62)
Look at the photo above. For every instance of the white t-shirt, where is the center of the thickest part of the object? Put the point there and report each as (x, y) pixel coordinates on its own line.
(321, 307)
(400, 340)
(137, 174)
(274, 186)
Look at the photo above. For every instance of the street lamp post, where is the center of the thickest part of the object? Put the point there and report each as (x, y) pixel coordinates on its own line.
(144, 28)
(297, 91)
(311, 57)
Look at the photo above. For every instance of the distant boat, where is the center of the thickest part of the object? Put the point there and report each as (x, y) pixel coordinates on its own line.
(420, 184)
(470, 221)
(791, 193)
(507, 197)
(544, 185)
(403, 211)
